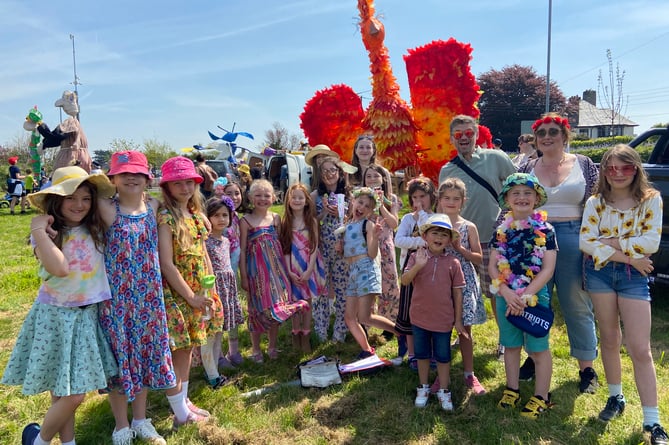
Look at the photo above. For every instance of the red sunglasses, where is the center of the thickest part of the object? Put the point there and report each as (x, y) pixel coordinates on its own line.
(626, 170)
(467, 133)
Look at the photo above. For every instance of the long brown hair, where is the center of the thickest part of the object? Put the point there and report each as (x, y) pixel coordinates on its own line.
(53, 206)
(310, 221)
(641, 187)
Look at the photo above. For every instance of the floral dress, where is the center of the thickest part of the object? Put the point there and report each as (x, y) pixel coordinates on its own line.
(185, 324)
(473, 308)
(336, 273)
(134, 320)
(226, 284)
(389, 299)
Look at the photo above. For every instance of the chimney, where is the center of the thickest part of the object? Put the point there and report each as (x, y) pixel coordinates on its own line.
(590, 96)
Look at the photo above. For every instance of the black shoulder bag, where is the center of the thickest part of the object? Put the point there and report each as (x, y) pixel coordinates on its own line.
(457, 161)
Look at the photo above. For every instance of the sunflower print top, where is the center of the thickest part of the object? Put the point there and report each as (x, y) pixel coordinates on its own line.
(638, 229)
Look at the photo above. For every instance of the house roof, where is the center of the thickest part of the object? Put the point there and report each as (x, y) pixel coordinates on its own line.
(591, 116)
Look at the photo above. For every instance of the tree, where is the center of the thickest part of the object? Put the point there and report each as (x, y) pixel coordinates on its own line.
(612, 93)
(280, 139)
(157, 152)
(514, 94)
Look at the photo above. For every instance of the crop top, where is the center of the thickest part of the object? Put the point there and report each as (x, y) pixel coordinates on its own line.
(566, 199)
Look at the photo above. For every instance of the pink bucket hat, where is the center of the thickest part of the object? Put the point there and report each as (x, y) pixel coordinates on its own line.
(179, 168)
(129, 162)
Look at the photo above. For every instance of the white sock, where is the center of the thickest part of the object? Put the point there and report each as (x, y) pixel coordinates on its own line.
(469, 374)
(137, 422)
(651, 415)
(207, 353)
(39, 441)
(72, 442)
(178, 405)
(184, 388)
(615, 389)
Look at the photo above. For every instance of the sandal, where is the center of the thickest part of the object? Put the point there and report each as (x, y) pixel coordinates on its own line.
(273, 354)
(257, 357)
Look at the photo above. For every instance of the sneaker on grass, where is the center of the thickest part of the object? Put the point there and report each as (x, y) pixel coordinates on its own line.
(615, 406)
(473, 383)
(657, 434)
(422, 394)
(510, 399)
(147, 432)
(123, 436)
(445, 401)
(589, 381)
(535, 407)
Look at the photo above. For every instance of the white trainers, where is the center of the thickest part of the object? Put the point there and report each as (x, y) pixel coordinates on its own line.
(422, 394)
(123, 437)
(147, 432)
(445, 400)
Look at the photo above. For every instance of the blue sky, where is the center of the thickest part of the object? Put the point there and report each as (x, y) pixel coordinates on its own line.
(173, 70)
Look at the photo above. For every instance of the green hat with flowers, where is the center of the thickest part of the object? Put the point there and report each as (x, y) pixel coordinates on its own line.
(526, 179)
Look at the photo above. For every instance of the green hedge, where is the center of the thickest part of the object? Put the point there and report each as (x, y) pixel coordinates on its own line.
(596, 148)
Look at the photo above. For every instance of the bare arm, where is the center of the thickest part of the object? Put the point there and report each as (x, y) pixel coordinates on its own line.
(47, 252)
(170, 271)
(243, 234)
(372, 240)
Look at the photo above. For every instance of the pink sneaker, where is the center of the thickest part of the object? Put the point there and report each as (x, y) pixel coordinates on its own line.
(473, 383)
(197, 411)
(191, 418)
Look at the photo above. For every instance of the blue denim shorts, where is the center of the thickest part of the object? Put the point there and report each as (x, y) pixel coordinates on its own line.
(429, 344)
(364, 278)
(620, 278)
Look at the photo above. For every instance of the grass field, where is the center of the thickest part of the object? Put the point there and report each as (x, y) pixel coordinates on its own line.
(363, 410)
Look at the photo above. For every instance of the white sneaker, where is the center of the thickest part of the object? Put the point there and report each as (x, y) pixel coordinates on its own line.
(422, 394)
(123, 437)
(147, 432)
(445, 400)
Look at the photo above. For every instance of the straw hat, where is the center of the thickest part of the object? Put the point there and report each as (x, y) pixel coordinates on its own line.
(439, 221)
(66, 181)
(322, 149)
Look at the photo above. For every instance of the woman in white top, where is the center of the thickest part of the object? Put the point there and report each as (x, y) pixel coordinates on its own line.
(568, 180)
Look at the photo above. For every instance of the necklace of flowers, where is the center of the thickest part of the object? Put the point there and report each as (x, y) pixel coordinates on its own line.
(536, 222)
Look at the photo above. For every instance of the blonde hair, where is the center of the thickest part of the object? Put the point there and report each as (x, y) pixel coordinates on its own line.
(182, 234)
(640, 186)
(453, 184)
(259, 184)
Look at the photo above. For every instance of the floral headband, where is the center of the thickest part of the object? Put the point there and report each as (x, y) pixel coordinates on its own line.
(563, 122)
(367, 191)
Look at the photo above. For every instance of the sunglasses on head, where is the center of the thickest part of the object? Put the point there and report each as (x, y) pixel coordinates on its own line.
(626, 170)
(467, 133)
(552, 132)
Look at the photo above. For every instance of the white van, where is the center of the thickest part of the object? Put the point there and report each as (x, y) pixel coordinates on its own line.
(296, 170)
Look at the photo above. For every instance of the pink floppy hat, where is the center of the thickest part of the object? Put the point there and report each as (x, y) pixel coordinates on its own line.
(179, 168)
(129, 162)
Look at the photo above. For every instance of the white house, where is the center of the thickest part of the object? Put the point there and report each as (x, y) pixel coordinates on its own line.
(596, 122)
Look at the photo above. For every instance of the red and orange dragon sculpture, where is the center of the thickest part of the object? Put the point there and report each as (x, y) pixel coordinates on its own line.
(441, 86)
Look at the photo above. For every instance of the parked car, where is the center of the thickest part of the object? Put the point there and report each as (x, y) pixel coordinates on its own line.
(222, 167)
(657, 167)
(295, 170)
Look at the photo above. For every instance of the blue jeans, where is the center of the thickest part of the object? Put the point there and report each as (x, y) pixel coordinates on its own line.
(619, 278)
(575, 302)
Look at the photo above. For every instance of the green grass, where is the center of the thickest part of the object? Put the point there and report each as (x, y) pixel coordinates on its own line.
(363, 410)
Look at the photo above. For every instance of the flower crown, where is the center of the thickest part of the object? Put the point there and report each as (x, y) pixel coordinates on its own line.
(367, 191)
(562, 121)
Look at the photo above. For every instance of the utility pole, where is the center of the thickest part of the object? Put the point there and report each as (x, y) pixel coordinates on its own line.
(548, 58)
(76, 79)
